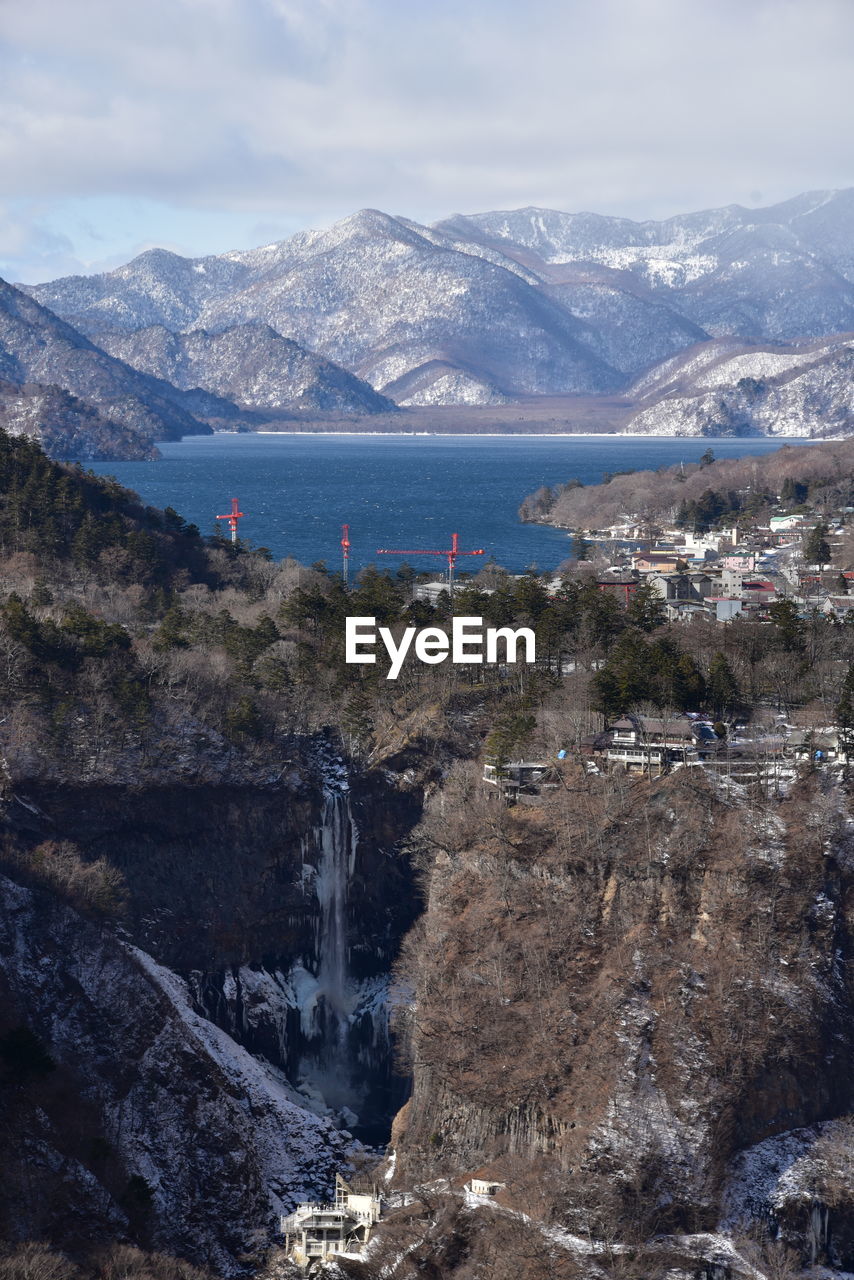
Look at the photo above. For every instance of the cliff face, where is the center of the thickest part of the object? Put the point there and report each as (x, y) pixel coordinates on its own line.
(628, 986)
(151, 1123)
(283, 905)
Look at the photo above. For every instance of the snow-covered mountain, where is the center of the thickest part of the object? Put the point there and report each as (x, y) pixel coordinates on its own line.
(786, 271)
(66, 426)
(486, 308)
(729, 388)
(36, 347)
(421, 314)
(249, 364)
(115, 398)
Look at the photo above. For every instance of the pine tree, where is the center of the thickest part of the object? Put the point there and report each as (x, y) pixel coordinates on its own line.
(581, 548)
(722, 691)
(816, 546)
(645, 608)
(357, 718)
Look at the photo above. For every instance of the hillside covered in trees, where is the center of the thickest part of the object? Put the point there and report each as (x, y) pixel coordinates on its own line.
(713, 491)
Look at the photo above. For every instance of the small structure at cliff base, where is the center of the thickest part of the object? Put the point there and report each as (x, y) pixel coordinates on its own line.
(315, 1232)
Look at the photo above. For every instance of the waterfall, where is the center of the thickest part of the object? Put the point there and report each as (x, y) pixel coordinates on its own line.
(338, 843)
(320, 1011)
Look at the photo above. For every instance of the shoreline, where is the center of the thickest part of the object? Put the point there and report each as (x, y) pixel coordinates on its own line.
(517, 435)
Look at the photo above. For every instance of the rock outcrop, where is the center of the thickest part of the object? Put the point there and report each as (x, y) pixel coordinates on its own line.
(627, 987)
(159, 1127)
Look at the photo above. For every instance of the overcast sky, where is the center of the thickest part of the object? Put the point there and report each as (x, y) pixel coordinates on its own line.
(205, 125)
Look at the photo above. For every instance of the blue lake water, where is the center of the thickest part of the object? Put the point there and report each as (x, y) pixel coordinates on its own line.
(399, 491)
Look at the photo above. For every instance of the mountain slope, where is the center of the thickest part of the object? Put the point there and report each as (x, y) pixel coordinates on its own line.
(781, 272)
(249, 364)
(486, 308)
(191, 1142)
(727, 388)
(388, 299)
(65, 426)
(38, 347)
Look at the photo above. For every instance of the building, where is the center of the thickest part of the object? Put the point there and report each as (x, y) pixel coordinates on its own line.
(484, 1187)
(430, 592)
(785, 524)
(518, 778)
(726, 607)
(839, 606)
(813, 744)
(658, 562)
(685, 610)
(681, 586)
(315, 1232)
(650, 744)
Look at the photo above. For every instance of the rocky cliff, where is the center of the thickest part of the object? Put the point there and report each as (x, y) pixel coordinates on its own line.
(235, 1020)
(147, 1122)
(635, 994)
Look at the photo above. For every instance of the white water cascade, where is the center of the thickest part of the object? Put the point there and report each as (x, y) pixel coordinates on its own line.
(338, 841)
(324, 1025)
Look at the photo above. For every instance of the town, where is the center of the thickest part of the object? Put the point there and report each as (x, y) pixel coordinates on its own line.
(790, 566)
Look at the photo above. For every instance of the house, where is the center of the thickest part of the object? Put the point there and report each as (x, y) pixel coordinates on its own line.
(318, 1231)
(813, 744)
(784, 524)
(745, 561)
(484, 1187)
(703, 584)
(657, 562)
(681, 586)
(726, 607)
(653, 744)
(672, 586)
(685, 610)
(839, 606)
(516, 778)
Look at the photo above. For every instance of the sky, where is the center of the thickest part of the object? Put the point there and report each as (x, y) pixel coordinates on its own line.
(208, 125)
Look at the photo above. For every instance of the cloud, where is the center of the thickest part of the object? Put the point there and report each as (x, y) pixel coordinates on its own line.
(302, 110)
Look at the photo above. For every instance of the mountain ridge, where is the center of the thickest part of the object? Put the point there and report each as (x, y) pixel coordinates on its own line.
(491, 308)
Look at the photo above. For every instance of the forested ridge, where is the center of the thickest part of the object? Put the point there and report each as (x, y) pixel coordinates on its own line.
(707, 493)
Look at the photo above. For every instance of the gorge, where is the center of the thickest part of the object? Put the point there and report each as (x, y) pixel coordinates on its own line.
(251, 890)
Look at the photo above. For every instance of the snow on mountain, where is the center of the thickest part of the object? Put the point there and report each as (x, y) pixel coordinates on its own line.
(384, 300)
(780, 272)
(484, 308)
(381, 296)
(800, 389)
(249, 364)
(65, 426)
(217, 1137)
(37, 347)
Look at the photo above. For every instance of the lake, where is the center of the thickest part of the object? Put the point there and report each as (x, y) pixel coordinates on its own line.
(397, 491)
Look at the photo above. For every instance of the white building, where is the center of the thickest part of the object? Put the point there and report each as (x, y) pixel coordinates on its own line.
(318, 1231)
(484, 1187)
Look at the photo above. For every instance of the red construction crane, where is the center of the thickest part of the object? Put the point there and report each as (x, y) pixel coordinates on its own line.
(234, 515)
(451, 555)
(345, 550)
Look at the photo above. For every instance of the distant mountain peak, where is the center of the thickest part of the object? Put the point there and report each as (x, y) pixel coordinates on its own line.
(502, 304)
